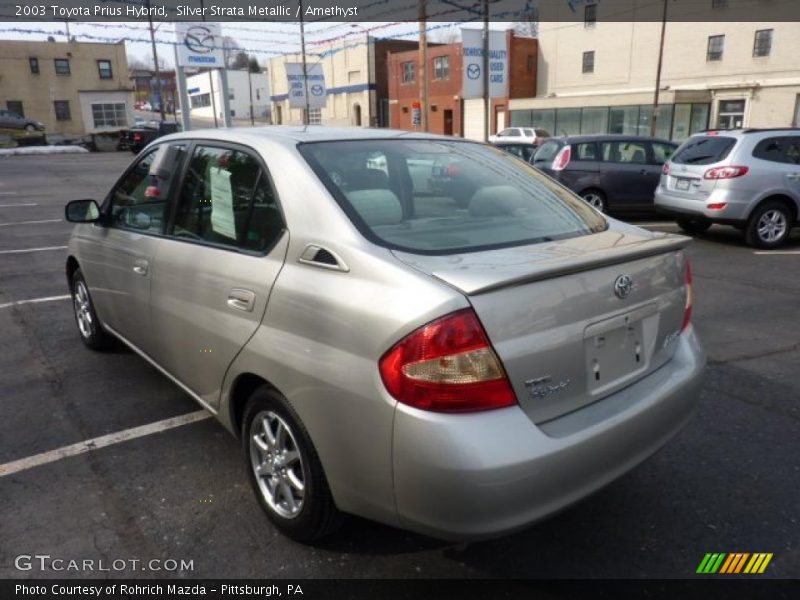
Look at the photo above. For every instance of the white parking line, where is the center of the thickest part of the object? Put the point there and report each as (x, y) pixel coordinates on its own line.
(777, 252)
(35, 301)
(18, 204)
(33, 249)
(23, 464)
(8, 193)
(31, 222)
(659, 224)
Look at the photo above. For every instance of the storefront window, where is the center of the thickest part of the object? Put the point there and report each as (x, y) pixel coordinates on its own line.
(595, 120)
(699, 117)
(521, 118)
(624, 119)
(544, 119)
(568, 121)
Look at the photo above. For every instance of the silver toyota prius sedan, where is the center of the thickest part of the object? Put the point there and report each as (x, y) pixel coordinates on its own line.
(416, 329)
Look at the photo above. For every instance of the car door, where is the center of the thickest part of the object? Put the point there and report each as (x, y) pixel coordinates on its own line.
(215, 269)
(625, 173)
(792, 168)
(117, 256)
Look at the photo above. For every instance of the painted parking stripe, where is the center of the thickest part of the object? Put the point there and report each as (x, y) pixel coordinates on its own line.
(8, 193)
(18, 204)
(31, 222)
(35, 301)
(659, 224)
(44, 458)
(768, 252)
(33, 250)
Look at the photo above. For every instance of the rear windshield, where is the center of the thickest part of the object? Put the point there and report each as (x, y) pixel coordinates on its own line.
(703, 150)
(547, 151)
(443, 197)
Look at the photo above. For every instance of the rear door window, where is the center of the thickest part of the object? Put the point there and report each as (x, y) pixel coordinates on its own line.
(704, 150)
(227, 200)
(624, 152)
(547, 152)
(777, 149)
(585, 151)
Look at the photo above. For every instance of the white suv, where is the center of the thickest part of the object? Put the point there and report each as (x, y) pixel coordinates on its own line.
(520, 134)
(748, 178)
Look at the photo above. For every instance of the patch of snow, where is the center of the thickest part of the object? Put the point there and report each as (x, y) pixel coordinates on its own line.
(34, 150)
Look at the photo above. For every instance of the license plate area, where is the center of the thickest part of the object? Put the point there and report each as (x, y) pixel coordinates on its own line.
(616, 349)
(682, 184)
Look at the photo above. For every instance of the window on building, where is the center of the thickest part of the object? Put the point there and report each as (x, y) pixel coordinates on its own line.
(716, 44)
(62, 66)
(62, 110)
(730, 114)
(588, 62)
(590, 15)
(315, 116)
(34, 63)
(231, 95)
(104, 69)
(200, 100)
(719, 3)
(258, 94)
(762, 44)
(441, 67)
(15, 106)
(353, 76)
(409, 72)
(110, 114)
(278, 115)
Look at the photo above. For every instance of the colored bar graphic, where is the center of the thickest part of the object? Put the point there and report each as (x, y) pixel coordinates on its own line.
(722, 563)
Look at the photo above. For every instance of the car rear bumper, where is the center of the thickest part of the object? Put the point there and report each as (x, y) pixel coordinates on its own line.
(737, 205)
(480, 475)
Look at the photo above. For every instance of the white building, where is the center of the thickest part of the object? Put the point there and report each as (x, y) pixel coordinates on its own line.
(597, 76)
(244, 89)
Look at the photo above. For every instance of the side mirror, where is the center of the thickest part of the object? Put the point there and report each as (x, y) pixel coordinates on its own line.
(82, 211)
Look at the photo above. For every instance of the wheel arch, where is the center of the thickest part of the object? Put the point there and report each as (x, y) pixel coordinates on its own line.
(241, 389)
(71, 266)
(788, 201)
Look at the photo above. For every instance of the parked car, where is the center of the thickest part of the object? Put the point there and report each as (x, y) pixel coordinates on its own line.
(521, 150)
(11, 120)
(460, 372)
(613, 173)
(142, 133)
(748, 178)
(528, 135)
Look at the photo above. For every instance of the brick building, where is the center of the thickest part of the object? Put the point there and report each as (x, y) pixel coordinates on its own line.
(448, 112)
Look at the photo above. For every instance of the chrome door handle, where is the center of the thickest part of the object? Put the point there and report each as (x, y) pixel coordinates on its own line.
(140, 266)
(242, 299)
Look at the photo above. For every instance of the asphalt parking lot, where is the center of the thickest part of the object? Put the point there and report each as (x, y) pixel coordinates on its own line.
(728, 483)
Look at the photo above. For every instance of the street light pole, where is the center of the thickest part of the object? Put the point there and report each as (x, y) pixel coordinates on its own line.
(155, 62)
(306, 115)
(654, 122)
(423, 64)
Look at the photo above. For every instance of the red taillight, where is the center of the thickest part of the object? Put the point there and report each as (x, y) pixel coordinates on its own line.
(137, 137)
(447, 365)
(665, 169)
(687, 311)
(562, 159)
(725, 172)
(716, 205)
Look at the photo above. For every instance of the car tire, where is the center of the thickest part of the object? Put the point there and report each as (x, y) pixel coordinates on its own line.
(693, 226)
(91, 331)
(595, 198)
(769, 225)
(284, 469)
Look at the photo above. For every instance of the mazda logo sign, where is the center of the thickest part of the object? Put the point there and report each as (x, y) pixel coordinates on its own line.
(623, 286)
(199, 40)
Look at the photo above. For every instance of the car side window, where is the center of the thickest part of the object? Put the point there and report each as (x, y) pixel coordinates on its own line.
(661, 152)
(140, 201)
(624, 152)
(774, 149)
(227, 200)
(585, 151)
(793, 151)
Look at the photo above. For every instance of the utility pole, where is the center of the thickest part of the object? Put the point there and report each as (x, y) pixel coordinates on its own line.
(487, 104)
(180, 81)
(307, 109)
(654, 122)
(423, 64)
(155, 62)
(250, 85)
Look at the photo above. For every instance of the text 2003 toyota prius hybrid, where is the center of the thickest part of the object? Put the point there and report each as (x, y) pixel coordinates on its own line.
(459, 360)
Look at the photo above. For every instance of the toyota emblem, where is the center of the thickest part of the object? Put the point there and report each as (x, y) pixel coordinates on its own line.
(623, 286)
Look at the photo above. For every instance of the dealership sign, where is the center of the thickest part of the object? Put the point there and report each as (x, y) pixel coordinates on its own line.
(473, 78)
(199, 45)
(314, 81)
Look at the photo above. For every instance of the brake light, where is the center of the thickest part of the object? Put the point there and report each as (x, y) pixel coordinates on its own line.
(665, 169)
(562, 159)
(725, 172)
(137, 137)
(687, 311)
(716, 205)
(447, 365)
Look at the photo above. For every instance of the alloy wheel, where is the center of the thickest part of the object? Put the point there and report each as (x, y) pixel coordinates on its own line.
(83, 310)
(277, 464)
(772, 226)
(594, 199)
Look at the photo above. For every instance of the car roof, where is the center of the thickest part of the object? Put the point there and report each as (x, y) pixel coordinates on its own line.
(298, 134)
(749, 130)
(611, 137)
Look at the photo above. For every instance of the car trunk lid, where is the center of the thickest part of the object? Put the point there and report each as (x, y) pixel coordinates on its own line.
(565, 338)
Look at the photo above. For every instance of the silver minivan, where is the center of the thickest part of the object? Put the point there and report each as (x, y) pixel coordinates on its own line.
(747, 178)
(458, 366)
